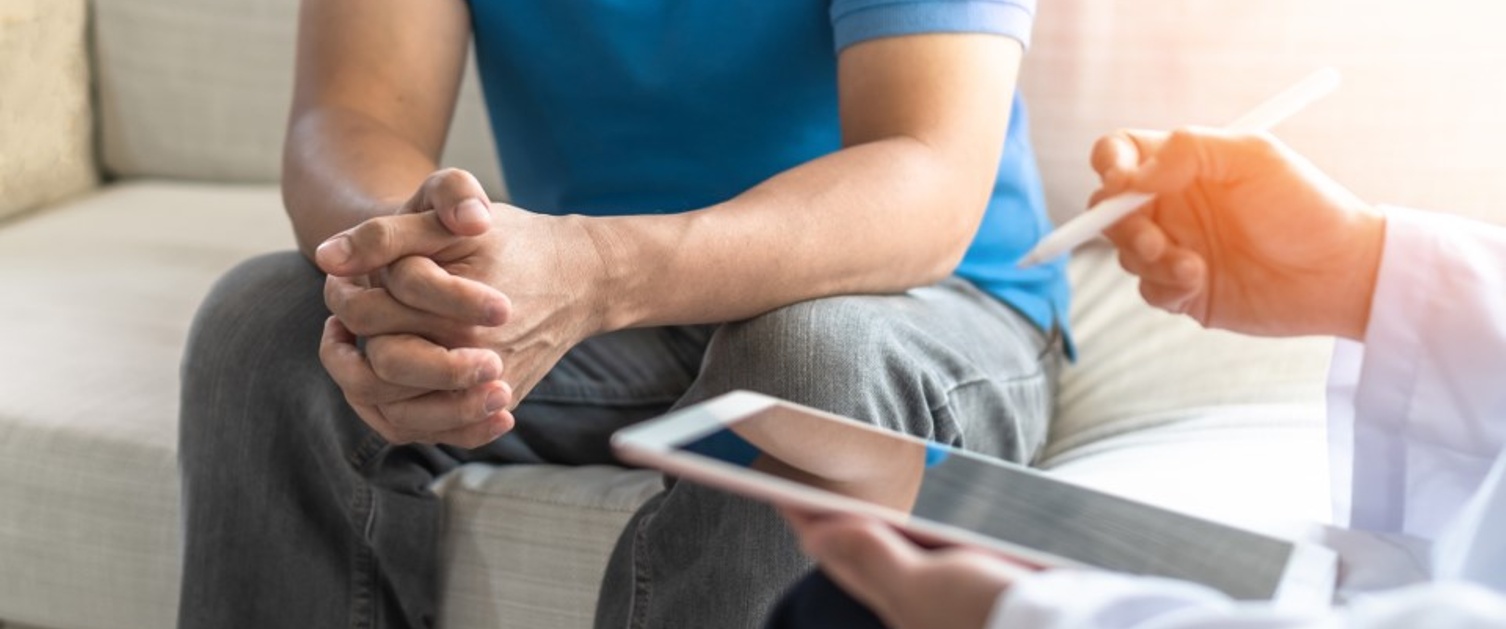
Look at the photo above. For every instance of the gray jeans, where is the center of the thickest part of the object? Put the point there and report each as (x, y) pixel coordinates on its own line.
(298, 515)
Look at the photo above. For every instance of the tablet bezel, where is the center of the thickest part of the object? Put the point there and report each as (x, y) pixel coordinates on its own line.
(1307, 580)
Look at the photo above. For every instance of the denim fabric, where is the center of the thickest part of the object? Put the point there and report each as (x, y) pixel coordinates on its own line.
(298, 515)
(816, 602)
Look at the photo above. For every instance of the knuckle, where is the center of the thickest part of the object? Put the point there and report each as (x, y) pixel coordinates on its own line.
(1103, 151)
(377, 234)
(357, 390)
(452, 178)
(334, 297)
(404, 278)
(1148, 293)
(367, 389)
(384, 363)
(360, 321)
(1182, 139)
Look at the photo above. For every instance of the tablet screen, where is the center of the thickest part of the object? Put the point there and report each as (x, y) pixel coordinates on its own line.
(995, 499)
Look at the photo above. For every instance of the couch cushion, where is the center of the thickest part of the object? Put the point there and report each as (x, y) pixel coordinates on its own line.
(45, 123)
(1160, 409)
(1139, 367)
(99, 293)
(199, 89)
(1261, 465)
(525, 546)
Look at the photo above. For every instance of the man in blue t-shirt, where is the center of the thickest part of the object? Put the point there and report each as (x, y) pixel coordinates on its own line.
(822, 201)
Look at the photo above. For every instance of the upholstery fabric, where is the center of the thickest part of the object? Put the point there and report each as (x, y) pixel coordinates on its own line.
(45, 118)
(98, 297)
(200, 90)
(1139, 367)
(526, 546)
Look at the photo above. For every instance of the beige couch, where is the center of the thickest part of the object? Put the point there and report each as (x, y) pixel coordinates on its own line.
(139, 146)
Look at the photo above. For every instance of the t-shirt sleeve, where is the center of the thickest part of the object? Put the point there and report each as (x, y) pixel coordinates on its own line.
(855, 21)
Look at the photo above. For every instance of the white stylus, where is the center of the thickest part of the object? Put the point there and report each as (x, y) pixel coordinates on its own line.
(1109, 211)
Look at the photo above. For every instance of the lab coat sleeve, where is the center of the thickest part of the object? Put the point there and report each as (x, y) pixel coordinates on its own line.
(1437, 332)
(1435, 348)
(1073, 599)
(1431, 402)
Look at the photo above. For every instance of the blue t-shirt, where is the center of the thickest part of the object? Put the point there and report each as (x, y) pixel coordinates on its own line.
(611, 107)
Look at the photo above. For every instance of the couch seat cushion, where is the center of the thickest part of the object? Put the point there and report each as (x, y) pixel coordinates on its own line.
(99, 294)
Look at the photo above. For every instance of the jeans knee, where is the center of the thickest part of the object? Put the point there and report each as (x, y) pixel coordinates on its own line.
(254, 308)
(257, 328)
(851, 355)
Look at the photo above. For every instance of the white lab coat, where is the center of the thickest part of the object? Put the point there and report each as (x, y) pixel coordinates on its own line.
(1419, 449)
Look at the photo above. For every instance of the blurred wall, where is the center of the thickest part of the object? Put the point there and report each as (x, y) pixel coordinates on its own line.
(1420, 119)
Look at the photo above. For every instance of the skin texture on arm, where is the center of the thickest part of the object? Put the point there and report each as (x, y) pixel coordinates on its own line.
(375, 89)
(923, 119)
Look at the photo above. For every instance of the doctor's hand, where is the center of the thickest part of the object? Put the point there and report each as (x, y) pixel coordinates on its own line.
(906, 585)
(526, 289)
(1244, 234)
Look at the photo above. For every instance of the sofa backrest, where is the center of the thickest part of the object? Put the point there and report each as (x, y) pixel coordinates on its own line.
(199, 89)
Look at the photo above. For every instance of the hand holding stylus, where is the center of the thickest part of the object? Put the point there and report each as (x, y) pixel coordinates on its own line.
(1113, 209)
(1243, 234)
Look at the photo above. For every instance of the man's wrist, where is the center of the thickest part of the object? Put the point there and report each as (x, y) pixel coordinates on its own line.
(608, 272)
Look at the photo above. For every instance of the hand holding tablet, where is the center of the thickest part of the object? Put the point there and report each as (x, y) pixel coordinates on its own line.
(800, 458)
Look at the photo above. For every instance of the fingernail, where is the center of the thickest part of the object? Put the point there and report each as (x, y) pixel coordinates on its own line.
(472, 211)
(334, 251)
(496, 401)
(486, 373)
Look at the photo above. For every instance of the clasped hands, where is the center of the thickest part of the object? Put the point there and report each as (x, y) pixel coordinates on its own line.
(463, 306)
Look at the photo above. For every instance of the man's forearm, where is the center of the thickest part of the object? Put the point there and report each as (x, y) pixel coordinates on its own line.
(342, 167)
(880, 217)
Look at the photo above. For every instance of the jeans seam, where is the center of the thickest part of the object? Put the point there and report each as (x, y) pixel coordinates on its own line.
(944, 409)
(363, 568)
(366, 450)
(642, 581)
(597, 394)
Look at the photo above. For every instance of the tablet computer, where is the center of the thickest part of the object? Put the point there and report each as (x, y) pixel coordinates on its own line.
(792, 455)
